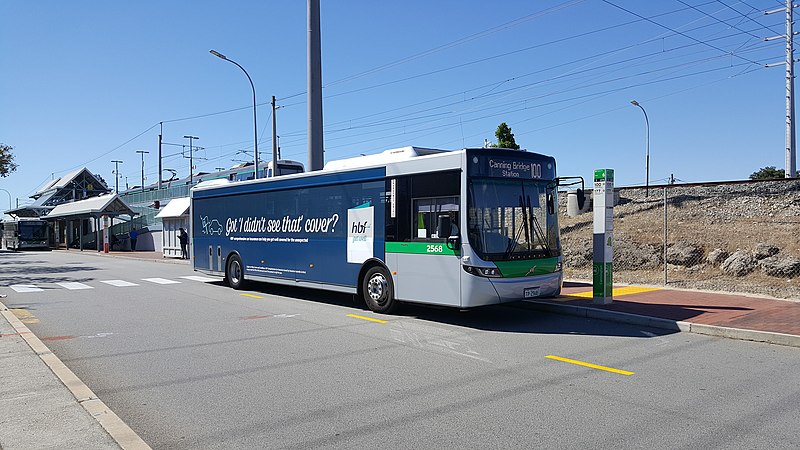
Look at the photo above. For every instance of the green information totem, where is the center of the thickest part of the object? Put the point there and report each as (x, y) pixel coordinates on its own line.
(603, 241)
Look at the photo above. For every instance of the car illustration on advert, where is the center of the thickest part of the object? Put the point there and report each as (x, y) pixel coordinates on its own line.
(211, 226)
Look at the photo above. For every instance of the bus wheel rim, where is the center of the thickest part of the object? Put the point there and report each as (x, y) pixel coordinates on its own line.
(377, 288)
(235, 271)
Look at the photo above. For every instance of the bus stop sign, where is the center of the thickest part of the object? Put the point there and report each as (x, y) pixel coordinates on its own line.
(603, 239)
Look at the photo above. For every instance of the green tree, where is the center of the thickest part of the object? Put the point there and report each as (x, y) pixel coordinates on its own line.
(6, 160)
(766, 173)
(505, 138)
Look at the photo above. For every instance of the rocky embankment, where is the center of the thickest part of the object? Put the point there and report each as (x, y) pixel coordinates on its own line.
(735, 237)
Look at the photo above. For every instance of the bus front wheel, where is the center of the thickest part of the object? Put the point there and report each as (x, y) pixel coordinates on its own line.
(234, 272)
(378, 290)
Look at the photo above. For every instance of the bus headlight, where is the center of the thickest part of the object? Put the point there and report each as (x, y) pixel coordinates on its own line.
(489, 272)
(559, 267)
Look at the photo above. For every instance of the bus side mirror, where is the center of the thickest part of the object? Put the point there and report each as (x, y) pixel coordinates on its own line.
(443, 226)
(453, 242)
(551, 204)
(581, 199)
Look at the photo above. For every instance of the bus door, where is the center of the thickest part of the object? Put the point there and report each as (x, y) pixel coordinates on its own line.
(428, 270)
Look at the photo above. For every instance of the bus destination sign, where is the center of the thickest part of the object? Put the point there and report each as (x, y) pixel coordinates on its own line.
(504, 166)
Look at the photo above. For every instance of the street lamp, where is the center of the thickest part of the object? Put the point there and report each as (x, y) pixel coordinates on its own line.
(647, 157)
(255, 126)
(191, 166)
(10, 203)
(142, 152)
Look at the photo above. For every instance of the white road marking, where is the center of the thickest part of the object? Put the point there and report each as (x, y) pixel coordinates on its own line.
(119, 283)
(161, 281)
(25, 288)
(200, 279)
(74, 286)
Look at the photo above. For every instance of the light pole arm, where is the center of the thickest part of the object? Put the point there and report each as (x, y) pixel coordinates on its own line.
(647, 156)
(255, 123)
(10, 203)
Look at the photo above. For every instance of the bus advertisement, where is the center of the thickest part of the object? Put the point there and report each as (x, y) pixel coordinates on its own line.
(26, 234)
(458, 228)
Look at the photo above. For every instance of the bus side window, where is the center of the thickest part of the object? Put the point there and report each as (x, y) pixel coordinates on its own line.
(420, 200)
(430, 214)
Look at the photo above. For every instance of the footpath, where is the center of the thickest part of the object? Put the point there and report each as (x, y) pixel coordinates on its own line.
(44, 405)
(734, 316)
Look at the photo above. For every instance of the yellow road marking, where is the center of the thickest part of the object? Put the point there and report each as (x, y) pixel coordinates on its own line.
(251, 296)
(24, 315)
(367, 318)
(627, 290)
(593, 366)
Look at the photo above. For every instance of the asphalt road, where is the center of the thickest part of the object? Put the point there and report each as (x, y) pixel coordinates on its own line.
(194, 364)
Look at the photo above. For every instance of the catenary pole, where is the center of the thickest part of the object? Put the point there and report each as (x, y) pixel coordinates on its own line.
(274, 140)
(316, 151)
(116, 174)
(791, 151)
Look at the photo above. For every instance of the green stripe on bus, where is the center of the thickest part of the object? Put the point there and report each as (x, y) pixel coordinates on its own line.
(419, 248)
(527, 267)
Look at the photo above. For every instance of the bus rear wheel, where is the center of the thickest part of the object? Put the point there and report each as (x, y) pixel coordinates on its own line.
(234, 272)
(378, 290)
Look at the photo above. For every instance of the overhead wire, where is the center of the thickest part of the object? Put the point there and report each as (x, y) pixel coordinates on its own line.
(640, 18)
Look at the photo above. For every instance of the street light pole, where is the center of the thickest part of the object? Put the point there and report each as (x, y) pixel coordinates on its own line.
(647, 154)
(255, 126)
(142, 152)
(116, 173)
(10, 203)
(191, 166)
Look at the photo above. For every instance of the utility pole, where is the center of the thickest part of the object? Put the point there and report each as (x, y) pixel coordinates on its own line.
(274, 139)
(791, 152)
(191, 166)
(160, 133)
(116, 173)
(316, 152)
(142, 152)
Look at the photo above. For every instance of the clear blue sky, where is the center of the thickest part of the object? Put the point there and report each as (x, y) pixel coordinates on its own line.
(84, 83)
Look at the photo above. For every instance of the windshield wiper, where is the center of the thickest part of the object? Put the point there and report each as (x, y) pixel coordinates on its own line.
(512, 244)
(537, 228)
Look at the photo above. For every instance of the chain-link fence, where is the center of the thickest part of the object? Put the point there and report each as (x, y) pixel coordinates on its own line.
(734, 237)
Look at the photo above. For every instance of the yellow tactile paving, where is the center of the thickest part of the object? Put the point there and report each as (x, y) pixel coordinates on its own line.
(627, 290)
(24, 315)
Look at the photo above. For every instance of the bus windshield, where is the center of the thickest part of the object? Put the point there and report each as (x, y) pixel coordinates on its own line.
(33, 230)
(512, 219)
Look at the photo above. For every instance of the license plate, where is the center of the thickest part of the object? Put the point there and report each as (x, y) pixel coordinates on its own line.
(530, 292)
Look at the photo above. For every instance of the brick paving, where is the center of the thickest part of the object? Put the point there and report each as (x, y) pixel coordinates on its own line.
(708, 308)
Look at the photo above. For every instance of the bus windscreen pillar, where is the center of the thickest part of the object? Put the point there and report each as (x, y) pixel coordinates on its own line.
(603, 240)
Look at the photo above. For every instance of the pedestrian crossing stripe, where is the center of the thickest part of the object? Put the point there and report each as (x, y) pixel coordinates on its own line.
(200, 279)
(119, 283)
(73, 285)
(161, 281)
(25, 288)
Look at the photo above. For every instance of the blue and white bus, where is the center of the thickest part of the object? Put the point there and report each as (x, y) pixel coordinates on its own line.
(460, 228)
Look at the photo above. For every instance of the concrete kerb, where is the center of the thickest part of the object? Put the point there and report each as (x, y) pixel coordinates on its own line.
(137, 258)
(666, 324)
(114, 426)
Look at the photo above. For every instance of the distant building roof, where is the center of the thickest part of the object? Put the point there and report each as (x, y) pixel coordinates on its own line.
(104, 205)
(83, 179)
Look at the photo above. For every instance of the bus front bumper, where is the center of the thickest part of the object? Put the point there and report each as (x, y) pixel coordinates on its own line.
(491, 291)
